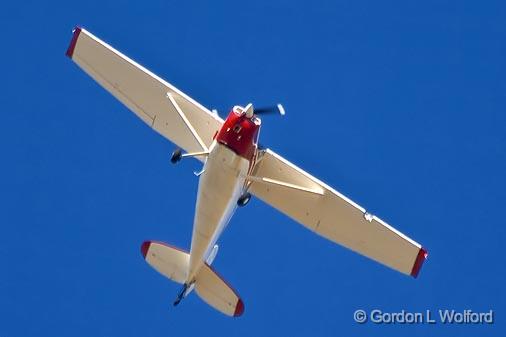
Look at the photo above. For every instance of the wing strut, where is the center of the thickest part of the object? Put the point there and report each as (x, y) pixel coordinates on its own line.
(187, 122)
(284, 184)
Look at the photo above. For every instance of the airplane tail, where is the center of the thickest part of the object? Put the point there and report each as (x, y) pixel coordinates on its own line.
(174, 264)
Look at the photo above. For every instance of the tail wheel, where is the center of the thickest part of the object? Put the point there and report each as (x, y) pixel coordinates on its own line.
(244, 199)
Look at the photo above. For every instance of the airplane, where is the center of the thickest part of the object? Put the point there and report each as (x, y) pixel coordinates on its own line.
(235, 168)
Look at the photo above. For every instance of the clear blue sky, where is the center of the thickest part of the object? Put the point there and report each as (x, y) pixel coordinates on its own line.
(400, 105)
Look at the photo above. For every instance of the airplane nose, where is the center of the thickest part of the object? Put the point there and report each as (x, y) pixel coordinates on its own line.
(144, 248)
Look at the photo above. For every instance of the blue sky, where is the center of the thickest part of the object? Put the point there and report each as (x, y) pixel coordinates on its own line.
(397, 104)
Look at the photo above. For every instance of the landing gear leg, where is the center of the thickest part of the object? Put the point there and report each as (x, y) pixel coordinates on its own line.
(181, 294)
(244, 199)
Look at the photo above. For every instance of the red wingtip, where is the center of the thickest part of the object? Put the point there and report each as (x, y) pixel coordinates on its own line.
(73, 42)
(239, 308)
(144, 248)
(420, 258)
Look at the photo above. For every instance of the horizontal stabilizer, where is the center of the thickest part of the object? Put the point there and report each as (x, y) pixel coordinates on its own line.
(213, 290)
(173, 263)
(169, 261)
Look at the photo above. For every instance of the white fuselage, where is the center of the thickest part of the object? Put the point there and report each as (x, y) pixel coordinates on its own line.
(220, 186)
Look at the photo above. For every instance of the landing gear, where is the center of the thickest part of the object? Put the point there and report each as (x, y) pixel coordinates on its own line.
(176, 156)
(244, 199)
(185, 291)
(181, 295)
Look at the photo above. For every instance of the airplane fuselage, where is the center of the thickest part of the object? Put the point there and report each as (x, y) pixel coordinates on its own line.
(223, 181)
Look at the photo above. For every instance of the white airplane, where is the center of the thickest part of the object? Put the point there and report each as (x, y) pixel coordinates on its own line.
(235, 167)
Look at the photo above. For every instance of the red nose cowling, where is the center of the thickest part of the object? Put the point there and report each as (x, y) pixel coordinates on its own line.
(240, 134)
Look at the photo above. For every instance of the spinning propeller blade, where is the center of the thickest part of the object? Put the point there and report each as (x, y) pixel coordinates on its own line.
(271, 109)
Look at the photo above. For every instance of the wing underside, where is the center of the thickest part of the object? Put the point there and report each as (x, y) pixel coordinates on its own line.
(143, 92)
(333, 216)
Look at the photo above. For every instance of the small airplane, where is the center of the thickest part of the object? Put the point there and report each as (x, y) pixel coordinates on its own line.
(235, 167)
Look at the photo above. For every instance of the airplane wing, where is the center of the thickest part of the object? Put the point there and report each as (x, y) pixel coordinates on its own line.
(330, 214)
(178, 118)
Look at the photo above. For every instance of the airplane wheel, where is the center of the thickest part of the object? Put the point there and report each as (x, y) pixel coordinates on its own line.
(176, 156)
(244, 199)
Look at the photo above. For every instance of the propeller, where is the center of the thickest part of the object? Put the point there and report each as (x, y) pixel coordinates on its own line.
(270, 109)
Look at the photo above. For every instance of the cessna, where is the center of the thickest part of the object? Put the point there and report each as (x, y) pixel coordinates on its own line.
(235, 168)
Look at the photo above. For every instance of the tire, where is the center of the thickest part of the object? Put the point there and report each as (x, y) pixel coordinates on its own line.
(176, 156)
(244, 199)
